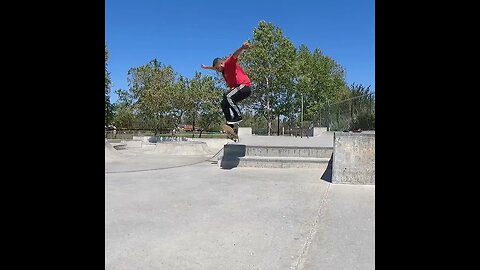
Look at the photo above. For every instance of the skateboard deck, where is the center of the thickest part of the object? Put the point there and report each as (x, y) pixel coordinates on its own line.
(232, 133)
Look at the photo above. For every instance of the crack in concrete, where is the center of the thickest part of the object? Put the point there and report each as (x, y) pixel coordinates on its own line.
(313, 230)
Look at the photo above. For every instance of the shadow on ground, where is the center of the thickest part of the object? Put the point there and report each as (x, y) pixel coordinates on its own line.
(231, 154)
(327, 174)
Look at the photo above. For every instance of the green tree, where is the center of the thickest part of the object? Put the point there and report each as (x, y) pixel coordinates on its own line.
(108, 83)
(203, 99)
(192, 98)
(281, 76)
(257, 122)
(208, 104)
(125, 116)
(320, 80)
(362, 107)
(182, 103)
(270, 64)
(153, 91)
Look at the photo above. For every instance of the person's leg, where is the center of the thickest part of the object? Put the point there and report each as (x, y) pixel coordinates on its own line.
(233, 97)
(226, 108)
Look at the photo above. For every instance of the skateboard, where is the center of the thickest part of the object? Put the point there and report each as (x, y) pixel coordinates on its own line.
(232, 133)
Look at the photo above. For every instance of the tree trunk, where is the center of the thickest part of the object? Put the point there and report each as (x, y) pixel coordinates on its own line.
(269, 120)
(106, 114)
(351, 114)
(193, 127)
(278, 125)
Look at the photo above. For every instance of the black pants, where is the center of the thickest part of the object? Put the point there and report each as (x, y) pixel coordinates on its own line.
(231, 98)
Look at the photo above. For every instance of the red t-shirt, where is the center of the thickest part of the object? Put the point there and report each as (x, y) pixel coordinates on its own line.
(234, 74)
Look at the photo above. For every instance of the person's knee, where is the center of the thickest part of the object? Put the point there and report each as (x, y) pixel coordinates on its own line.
(248, 92)
(224, 103)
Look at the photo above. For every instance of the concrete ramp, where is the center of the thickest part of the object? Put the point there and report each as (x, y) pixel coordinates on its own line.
(214, 145)
(133, 143)
(112, 154)
(188, 148)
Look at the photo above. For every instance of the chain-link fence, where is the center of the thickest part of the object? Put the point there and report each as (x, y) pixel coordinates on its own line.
(128, 134)
(350, 114)
(356, 113)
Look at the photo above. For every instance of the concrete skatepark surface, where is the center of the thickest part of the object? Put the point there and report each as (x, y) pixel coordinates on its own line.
(165, 211)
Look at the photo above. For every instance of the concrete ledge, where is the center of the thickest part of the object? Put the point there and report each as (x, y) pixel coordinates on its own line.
(231, 155)
(141, 138)
(158, 139)
(239, 155)
(282, 162)
(244, 131)
(353, 158)
(319, 130)
(289, 151)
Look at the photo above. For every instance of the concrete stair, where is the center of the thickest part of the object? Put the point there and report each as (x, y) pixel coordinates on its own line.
(238, 155)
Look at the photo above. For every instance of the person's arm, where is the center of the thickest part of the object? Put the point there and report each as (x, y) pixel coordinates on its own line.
(245, 45)
(207, 67)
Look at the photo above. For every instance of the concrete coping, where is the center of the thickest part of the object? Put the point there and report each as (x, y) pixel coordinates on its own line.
(354, 134)
(289, 147)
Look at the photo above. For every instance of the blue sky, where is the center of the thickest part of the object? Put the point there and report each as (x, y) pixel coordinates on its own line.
(186, 34)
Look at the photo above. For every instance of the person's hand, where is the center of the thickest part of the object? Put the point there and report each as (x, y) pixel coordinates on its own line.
(206, 67)
(245, 45)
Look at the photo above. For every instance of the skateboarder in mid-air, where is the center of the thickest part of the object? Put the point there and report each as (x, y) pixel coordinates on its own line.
(238, 84)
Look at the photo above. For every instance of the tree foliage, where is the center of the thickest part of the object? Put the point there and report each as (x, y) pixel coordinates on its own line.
(162, 100)
(153, 91)
(270, 65)
(281, 75)
(108, 106)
